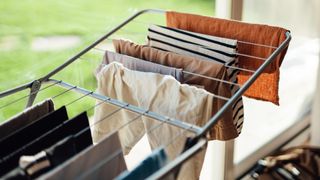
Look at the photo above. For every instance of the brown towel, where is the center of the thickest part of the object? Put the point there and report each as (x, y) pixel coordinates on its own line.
(266, 86)
(26, 117)
(224, 129)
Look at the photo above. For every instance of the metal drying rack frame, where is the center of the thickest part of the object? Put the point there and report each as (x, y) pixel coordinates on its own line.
(200, 132)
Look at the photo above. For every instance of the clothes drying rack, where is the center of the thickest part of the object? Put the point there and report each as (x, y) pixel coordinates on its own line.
(200, 132)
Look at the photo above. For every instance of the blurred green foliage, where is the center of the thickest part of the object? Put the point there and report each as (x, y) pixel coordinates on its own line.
(22, 21)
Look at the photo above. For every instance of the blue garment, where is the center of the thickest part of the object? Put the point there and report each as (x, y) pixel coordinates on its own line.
(147, 167)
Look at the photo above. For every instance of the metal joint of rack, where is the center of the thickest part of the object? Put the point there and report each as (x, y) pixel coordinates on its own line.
(200, 131)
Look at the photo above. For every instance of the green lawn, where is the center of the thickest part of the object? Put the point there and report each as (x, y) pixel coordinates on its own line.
(25, 20)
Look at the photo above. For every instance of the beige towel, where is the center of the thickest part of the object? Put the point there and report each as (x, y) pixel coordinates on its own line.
(158, 93)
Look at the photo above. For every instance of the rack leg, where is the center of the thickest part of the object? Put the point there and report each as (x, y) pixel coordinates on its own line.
(218, 163)
(33, 92)
(229, 160)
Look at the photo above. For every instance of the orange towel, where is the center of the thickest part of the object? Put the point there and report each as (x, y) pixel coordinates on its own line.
(266, 86)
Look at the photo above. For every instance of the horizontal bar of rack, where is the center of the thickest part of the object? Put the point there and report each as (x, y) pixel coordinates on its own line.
(190, 127)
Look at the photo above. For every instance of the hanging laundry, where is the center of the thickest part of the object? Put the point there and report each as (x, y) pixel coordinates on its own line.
(147, 167)
(141, 65)
(266, 86)
(225, 129)
(189, 142)
(26, 117)
(201, 46)
(42, 162)
(158, 93)
(198, 45)
(67, 128)
(16, 174)
(32, 131)
(103, 161)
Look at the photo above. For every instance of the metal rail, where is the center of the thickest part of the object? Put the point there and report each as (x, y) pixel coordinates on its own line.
(175, 122)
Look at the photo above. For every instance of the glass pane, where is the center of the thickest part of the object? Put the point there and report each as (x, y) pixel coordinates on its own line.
(265, 121)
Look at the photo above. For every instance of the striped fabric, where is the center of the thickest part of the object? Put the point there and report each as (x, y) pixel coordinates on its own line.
(205, 47)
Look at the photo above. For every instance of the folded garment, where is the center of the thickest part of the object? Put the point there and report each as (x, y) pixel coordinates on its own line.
(205, 47)
(160, 94)
(225, 128)
(266, 86)
(26, 117)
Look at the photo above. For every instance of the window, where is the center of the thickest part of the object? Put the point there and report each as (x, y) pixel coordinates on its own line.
(266, 125)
